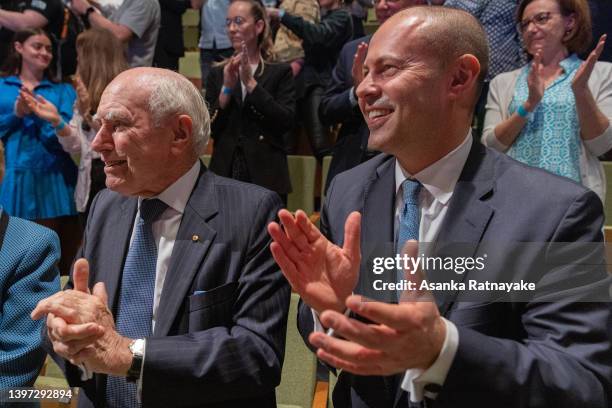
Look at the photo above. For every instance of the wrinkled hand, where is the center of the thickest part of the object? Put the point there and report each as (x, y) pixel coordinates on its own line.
(80, 6)
(42, 108)
(81, 327)
(83, 99)
(535, 83)
(358, 60)
(246, 74)
(402, 336)
(322, 273)
(580, 83)
(231, 71)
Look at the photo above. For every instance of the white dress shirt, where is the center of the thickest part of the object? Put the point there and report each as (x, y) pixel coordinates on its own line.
(438, 181)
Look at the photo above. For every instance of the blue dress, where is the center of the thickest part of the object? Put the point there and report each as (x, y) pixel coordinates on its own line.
(40, 176)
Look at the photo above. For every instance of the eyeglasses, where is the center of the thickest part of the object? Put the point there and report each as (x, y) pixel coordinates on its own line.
(236, 20)
(539, 19)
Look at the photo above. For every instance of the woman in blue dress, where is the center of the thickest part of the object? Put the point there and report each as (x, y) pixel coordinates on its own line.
(40, 176)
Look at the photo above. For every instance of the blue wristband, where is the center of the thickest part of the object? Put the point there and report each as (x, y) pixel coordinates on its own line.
(522, 112)
(281, 13)
(60, 126)
(225, 90)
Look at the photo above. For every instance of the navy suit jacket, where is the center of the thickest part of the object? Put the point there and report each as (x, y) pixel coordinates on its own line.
(529, 354)
(351, 146)
(220, 348)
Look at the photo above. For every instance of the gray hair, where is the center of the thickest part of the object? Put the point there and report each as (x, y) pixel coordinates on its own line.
(175, 94)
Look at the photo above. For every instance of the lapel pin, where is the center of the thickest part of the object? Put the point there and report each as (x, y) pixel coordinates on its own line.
(195, 238)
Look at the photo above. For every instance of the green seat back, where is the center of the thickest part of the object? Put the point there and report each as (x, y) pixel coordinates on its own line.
(189, 65)
(302, 171)
(206, 159)
(299, 374)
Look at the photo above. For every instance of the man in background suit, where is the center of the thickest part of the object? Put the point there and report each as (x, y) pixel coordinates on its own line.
(339, 104)
(170, 46)
(436, 184)
(189, 308)
(29, 254)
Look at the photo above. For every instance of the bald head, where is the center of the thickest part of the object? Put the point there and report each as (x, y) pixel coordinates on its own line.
(167, 93)
(443, 32)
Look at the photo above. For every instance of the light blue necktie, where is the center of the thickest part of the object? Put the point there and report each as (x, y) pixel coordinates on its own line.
(135, 309)
(409, 219)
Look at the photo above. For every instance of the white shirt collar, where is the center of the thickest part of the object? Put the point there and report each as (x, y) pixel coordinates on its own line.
(440, 178)
(177, 194)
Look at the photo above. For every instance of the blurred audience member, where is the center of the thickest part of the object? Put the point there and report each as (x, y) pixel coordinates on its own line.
(506, 52)
(555, 112)
(288, 46)
(214, 44)
(497, 19)
(322, 44)
(339, 104)
(170, 45)
(92, 46)
(134, 23)
(17, 15)
(253, 104)
(28, 273)
(40, 175)
(359, 12)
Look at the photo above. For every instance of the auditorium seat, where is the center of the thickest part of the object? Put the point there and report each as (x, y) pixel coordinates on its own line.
(302, 171)
(297, 387)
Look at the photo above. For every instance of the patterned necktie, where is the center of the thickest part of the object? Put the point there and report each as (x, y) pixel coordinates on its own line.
(409, 220)
(135, 309)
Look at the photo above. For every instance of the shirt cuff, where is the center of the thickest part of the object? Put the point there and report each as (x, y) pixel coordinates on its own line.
(85, 373)
(139, 382)
(318, 327)
(415, 380)
(352, 97)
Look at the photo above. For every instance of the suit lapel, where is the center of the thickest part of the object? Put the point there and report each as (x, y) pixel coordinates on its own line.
(192, 243)
(469, 214)
(377, 225)
(124, 221)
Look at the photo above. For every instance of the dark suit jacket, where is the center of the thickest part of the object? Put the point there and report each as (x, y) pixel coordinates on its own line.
(170, 36)
(352, 143)
(221, 348)
(530, 354)
(257, 125)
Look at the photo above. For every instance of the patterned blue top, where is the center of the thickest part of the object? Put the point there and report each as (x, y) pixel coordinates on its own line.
(551, 138)
(497, 18)
(40, 176)
(29, 254)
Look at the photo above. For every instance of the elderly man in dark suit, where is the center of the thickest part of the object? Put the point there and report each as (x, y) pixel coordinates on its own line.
(436, 185)
(189, 308)
(339, 103)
